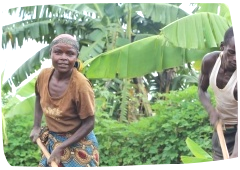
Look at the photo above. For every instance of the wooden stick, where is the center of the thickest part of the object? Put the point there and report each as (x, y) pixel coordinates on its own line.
(45, 152)
(222, 140)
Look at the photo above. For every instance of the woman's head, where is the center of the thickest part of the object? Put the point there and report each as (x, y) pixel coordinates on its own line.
(66, 39)
(64, 51)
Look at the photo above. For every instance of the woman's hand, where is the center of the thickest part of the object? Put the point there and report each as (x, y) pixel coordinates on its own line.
(56, 155)
(35, 134)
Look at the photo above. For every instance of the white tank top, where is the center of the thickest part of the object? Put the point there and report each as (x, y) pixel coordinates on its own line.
(226, 104)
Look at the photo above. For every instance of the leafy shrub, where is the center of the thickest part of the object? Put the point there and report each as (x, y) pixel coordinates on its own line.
(159, 139)
(20, 151)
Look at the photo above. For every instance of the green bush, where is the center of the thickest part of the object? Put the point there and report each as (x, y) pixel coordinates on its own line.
(159, 139)
(20, 151)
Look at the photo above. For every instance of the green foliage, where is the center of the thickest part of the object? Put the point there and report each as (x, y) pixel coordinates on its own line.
(20, 151)
(196, 150)
(159, 139)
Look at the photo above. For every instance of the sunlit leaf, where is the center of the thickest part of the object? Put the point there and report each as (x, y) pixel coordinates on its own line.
(196, 150)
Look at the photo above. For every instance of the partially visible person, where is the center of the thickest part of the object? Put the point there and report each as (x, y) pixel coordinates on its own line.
(66, 98)
(219, 71)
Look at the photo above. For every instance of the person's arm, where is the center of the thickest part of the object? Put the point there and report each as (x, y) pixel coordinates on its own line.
(37, 119)
(203, 94)
(86, 127)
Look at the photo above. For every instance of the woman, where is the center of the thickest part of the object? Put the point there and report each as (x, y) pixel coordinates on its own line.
(66, 98)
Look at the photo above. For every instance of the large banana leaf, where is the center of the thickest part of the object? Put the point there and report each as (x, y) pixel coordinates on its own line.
(199, 33)
(201, 30)
(24, 30)
(139, 58)
(53, 11)
(217, 8)
(44, 22)
(164, 13)
(43, 30)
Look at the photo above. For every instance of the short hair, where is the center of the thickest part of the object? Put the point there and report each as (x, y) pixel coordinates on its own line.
(228, 35)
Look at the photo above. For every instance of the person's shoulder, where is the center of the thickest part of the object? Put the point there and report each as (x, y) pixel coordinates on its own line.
(209, 61)
(211, 57)
(45, 71)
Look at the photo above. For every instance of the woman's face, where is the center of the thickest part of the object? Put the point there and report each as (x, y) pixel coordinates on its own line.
(63, 57)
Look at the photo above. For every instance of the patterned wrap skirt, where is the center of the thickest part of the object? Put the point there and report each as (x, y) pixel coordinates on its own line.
(81, 154)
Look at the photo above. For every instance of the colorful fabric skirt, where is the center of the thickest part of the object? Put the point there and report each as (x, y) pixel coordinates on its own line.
(81, 154)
